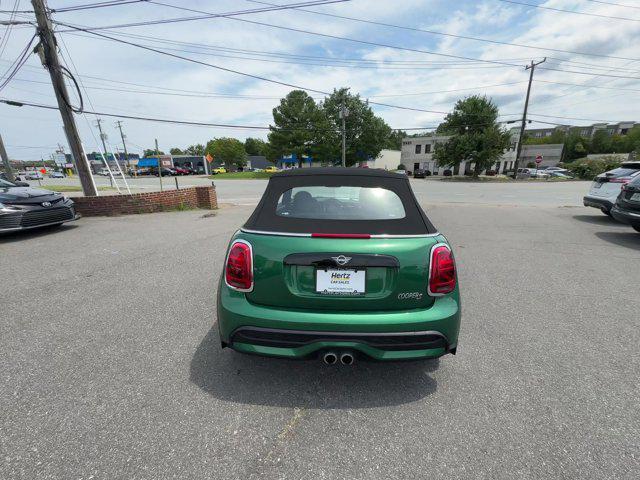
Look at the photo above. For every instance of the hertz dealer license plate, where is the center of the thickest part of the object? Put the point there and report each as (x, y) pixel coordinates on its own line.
(340, 282)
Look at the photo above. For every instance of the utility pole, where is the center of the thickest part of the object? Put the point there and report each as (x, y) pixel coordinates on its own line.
(344, 113)
(48, 47)
(5, 160)
(124, 145)
(159, 165)
(105, 156)
(531, 67)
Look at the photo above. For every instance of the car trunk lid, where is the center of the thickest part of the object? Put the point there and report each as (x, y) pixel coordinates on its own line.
(386, 273)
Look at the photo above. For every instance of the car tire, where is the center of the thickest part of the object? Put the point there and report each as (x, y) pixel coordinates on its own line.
(606, 212)
(636, 228)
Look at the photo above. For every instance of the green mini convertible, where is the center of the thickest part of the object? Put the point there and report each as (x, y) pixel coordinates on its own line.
(336, 264)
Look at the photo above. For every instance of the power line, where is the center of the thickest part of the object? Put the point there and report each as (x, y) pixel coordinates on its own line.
(257, 77)
(18, 63)
(588, 86)
(217, 15)
(20, 103)
(614, 4)
(89, 6)
(459, 66)
(445, 34)
(569, 11)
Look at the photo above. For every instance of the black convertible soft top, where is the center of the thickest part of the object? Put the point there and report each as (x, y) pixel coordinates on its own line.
(265, 219)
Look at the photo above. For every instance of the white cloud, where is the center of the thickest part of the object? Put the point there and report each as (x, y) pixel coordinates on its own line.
(488, 19)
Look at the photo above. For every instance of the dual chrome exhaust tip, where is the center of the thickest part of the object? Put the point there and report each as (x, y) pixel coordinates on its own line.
(345, 358)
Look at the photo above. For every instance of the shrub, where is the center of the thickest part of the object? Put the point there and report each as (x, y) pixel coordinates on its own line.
(587, 169)
(401, 167)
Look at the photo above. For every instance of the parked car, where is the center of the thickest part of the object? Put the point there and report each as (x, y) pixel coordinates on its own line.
(272, 169)
(558, 174)
(17, 180)
(491, 173)
(166, 172)
(337, 263)
(142, 171)
(56, 175)
(103, 172)
(218, 170)
(627, 206)
(33, 175)
(419, 173)
(22, 208)
(607, 186)
(181, 171)
(447, 173)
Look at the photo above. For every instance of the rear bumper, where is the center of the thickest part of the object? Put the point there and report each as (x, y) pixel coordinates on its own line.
(625, 216)
(597, 202)
(397, 335)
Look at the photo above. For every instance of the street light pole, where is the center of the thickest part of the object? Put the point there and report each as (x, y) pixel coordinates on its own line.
(344, 113)
(531, 67)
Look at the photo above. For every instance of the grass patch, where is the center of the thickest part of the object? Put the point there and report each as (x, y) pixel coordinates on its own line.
(481, 178)
(68, 188)
(241, 176)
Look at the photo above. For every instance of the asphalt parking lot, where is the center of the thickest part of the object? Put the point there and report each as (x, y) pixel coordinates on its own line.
(111, 366)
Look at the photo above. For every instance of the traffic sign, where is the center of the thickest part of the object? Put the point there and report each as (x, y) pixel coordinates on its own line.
(539, 159)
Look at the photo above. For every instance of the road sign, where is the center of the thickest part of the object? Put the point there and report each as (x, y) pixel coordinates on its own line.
(209, 158)
(60, 158)
(539, 159)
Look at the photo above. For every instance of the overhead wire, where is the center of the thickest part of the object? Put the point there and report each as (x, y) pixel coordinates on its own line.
(433, 32)
(576, 12)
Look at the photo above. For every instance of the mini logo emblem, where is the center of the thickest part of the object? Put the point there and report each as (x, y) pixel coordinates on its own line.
(46, 204)
(341, 260)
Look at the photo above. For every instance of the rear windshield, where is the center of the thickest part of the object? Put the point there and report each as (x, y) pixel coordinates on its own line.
(373, 205)
(340, 203)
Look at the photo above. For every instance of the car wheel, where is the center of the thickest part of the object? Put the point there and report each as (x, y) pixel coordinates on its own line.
(607, 212)
(636, 228)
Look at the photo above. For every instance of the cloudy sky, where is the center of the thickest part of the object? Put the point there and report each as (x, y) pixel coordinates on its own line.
(592, 72)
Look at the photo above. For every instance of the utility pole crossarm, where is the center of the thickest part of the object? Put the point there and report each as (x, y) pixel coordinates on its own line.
(531, 67)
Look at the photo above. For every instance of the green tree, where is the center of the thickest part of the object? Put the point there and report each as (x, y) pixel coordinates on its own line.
(196, 150)
(366, 134)
(151, 152)
(476, 136)
(601, 142)
(255, 146)
(176, 151)
(230, 151)
(394, 141)
(295, 129)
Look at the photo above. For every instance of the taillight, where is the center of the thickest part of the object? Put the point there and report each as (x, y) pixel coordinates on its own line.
(238, 271)
(624, 180)
(442, 272)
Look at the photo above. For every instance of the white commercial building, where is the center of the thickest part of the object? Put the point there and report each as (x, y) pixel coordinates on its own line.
(417, 153)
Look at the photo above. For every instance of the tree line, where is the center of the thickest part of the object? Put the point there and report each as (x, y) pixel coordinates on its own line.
(577, 146)
(308, 129)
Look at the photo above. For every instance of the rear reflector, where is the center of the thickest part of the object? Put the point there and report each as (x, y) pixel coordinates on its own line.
(442, 273)
(341, 235)
(238, 271)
